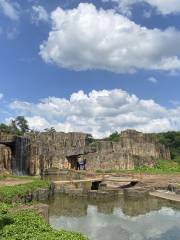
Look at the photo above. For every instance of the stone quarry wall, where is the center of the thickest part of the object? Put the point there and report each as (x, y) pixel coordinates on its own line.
(5, 151)
(132, 150)
(34, 153)
(14, 153)
(5, 158)
(51, 150)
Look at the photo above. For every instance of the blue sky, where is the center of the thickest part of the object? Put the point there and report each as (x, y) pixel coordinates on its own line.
(127, 48)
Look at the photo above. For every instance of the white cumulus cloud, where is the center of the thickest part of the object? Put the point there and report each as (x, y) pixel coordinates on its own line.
(99, 113)
(39, 14)
(86, 38)
(152, 79)
(1, 96)
(10, 9)
(163, 7)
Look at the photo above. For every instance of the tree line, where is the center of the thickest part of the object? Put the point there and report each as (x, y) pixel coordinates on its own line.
(20, 126)
(17, 126)
(170, 139)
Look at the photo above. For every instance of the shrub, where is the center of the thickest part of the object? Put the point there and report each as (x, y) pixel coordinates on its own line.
(27, 225)
(9, 193)
(114, 137)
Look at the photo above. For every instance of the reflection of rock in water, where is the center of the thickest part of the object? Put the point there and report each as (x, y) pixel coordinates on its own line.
(63, 205)
(130, 207)
(106, 208)
(141, 206)
(135, 207)
(104, 220)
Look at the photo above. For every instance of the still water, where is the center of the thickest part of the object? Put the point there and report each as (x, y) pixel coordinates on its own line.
(118, 219)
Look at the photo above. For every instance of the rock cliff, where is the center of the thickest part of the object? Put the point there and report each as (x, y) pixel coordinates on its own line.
(35, 153)
(133, 149)
(5, 158)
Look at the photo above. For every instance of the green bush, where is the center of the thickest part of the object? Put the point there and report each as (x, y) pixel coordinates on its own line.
(4, 218)
(114, 137)
(161, 166)
(9, 193)
(27, 225)
(172, 141)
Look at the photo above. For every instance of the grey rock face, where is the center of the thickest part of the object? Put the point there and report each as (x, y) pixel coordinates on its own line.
(35, 153)
(5, 158)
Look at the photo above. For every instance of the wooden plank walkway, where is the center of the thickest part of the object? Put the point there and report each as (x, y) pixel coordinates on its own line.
(79, 181)
(118, 179)
(123, 180)
(166, 195)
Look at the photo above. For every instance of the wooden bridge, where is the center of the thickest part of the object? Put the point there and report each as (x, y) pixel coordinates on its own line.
(99, 179)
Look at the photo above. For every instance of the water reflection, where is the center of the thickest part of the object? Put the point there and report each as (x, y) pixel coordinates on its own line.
(126, 219)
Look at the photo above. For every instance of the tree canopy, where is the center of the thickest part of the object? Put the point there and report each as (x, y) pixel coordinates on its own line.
(18, 126)
(172, 141)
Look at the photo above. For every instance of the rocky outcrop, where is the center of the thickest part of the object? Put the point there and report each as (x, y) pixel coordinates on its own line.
(54, 150)
(35, 153)
(133, 149)
(5, 158)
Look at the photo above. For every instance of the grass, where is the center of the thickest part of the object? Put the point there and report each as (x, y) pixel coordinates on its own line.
(161, 167)
(11, 193)
(27, 225)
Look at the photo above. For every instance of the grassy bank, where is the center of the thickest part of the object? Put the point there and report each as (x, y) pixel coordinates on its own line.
(161, 167)
(9, 194)
(27, 225)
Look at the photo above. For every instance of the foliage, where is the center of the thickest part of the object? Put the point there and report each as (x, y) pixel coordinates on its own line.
(172, 141)
(9, 129)
(26, 224)
(50, 130)
(29, 225)
(17, 126)
(12, 193)
(114, 137)
(94, 143)
(21, 124)
(161, 167)
(2, 177)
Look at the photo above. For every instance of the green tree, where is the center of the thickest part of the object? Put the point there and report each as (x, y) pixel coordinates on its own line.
(5, 128)
(172, 141)
(114, 137)
(50, 130)
(21, 123)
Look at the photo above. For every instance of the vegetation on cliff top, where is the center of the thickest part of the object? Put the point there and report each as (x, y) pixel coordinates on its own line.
(29, 225)
(172, 141)
(17, 126)
(114, 137)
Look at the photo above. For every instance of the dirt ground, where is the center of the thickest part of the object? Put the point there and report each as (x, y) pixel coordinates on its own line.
(14, 181)
(154, 180)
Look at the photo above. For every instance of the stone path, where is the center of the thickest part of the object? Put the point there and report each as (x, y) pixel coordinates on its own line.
(166, 195)
(79, 181)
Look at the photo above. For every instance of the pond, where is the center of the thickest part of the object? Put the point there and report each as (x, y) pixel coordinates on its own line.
(117, 219)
